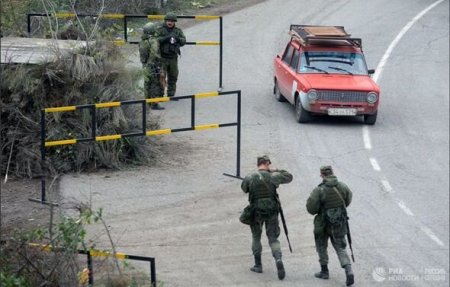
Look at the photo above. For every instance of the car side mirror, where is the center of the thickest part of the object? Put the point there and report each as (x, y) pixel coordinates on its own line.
(371, 71)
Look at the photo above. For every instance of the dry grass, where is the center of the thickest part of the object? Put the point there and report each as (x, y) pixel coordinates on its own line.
(94, 74)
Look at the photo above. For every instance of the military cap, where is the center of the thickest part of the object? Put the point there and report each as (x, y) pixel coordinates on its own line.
(326, 170)
(263, 159)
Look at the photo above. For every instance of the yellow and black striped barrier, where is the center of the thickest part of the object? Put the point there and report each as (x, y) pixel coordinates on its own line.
(126, 17)
(98, 253)
(93, 137)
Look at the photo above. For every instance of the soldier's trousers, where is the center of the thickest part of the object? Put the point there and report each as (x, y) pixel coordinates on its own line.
(272, 232)
(339, 243)
(152, 85)
(171, 67)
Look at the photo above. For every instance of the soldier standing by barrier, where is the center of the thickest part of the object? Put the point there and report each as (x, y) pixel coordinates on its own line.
(328, 202)
(261, 187)
(170, 38)
(151, 61)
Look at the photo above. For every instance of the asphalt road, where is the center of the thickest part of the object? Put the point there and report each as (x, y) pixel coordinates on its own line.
(185, 212)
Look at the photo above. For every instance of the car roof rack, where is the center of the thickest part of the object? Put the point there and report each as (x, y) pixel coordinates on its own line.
(323, 35)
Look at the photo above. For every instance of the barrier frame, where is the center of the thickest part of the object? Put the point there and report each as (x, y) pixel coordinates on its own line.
(125, 18)
(97, 253)
(144, 132)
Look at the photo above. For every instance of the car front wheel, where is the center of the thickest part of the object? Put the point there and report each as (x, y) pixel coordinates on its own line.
(370, 119)
(278, 96)
(302, 115)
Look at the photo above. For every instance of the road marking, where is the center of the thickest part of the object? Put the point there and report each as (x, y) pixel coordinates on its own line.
(387, 54)
(394, 43)
(387, 187)
(432, 235)
(405, 208)
(375, 164)
(366, 138)
(365, 130)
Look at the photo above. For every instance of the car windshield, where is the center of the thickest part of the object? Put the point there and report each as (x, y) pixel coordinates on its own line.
(332, 63)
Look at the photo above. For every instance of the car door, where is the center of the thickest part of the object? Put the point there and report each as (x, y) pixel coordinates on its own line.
(291, 81)
(282, 69)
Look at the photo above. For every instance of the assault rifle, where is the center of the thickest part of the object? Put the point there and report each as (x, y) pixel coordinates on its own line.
(284, 222)
(280, 209)
(349, 237)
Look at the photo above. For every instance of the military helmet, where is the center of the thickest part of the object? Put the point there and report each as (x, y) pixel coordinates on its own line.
(149, 28)
(170, 17)
(263, 160)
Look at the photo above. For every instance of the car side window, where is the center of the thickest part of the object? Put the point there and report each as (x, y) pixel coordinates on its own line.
(295, 58)
(287, 56)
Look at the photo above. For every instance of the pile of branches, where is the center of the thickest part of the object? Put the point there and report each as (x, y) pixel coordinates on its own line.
(96, 73)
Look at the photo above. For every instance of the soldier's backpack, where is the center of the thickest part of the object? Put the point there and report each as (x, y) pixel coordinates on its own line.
(335, 215)
(265, 208)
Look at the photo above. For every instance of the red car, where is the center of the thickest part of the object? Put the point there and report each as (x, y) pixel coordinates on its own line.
(323, 72)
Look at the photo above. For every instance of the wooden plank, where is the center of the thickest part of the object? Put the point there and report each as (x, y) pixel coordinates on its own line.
(329, 31)
(15, 50)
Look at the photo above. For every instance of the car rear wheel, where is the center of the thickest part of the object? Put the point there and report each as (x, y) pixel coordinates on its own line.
(302, 115)
(370, 119)
(276, 91)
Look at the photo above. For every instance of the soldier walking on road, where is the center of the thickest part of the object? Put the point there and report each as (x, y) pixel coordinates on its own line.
(328, 202)
(261, 187)
(170, 38)
(151, 62)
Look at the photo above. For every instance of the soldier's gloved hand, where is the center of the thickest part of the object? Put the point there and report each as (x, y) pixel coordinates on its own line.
(165, 39)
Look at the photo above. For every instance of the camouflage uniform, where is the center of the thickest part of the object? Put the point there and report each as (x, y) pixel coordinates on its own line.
(151, 61)
(331, 193)
(261, 187)
(170, 40)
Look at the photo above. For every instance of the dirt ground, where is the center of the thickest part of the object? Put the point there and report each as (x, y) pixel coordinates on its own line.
(18, 212)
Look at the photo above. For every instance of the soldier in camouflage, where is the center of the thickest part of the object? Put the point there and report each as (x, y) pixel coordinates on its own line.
(170, 38)
(261, 187)
(151, 61)
(328, 202)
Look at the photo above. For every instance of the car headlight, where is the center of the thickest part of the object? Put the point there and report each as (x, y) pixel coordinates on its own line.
(372, 97)
(312, 95)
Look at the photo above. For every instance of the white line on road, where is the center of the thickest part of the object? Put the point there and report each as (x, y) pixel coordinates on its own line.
(387, 186)
(375, 164)
(405, 208)
(366, 138)
(394, 43)
(387, 54)
(432, 235)
(365, 130)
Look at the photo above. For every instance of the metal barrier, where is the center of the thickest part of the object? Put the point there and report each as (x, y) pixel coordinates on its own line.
(125, 19)
(144, 132)
(97, 253)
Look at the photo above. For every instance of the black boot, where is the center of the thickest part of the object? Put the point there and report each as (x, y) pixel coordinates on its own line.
(323, 274)
(258, 265)
(280, 268)
(156, 107)
(350, 277)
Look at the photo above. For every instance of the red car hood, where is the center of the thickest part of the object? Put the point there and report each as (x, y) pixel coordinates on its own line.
(340, 82)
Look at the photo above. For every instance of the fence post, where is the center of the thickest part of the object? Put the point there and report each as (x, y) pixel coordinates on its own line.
(90, 268)
(43, 171)
(221, 53)
(152, 272)
(238, 151)
(125, 28)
